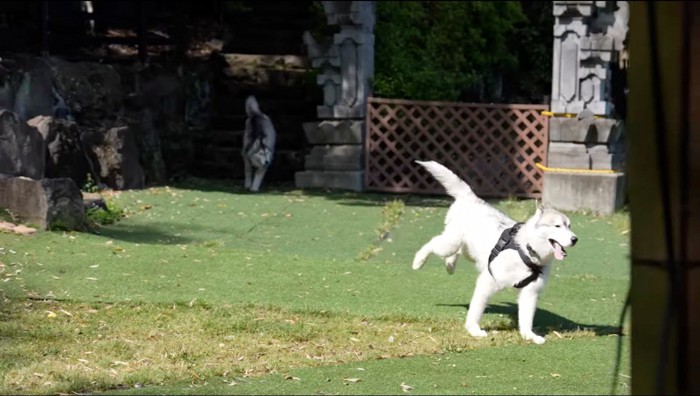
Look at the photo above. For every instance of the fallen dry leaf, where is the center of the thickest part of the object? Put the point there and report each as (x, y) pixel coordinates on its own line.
(351, 380)
(405, 387)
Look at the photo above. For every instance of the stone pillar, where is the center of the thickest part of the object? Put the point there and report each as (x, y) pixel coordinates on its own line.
(346, 68)
(589, 44)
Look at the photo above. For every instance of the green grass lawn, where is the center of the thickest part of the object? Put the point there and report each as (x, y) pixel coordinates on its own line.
(205, 288)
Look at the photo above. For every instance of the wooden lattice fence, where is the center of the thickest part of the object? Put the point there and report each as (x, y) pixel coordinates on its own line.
(493, 147)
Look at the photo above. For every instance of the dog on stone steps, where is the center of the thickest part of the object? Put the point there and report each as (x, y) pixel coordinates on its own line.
(259, 140)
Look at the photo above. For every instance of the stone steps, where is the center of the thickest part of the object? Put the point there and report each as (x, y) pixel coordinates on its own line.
(227, 163)
(227, 138)
(280, 84)
(265, 58)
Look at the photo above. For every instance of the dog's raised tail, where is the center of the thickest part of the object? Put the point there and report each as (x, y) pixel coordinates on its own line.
(452, 183)
(251, 106)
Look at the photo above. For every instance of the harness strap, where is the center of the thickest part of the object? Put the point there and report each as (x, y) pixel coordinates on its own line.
(507, 241)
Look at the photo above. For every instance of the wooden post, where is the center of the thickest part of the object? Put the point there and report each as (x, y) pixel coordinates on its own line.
(181, 38)
(141, 32)
(44, 16)
(663, 171)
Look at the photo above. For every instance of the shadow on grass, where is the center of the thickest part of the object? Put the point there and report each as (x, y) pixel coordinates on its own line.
(342, 197)
(544, 319)
(153, 234)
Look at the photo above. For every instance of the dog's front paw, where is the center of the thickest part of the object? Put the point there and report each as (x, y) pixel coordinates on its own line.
(475, 331)
(418, 263)
(539, 340)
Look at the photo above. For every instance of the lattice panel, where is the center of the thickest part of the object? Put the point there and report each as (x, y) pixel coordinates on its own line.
(492, 147)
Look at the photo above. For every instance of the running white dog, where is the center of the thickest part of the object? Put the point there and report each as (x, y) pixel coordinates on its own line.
(258, 144)
(506, 253)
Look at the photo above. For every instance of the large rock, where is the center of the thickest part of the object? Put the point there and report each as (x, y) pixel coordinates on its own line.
(27, 87)
(65, 156)
(47, 203)
(92, 91)
(115, 153)
(149, 145)
(21, 147)
(34, 94)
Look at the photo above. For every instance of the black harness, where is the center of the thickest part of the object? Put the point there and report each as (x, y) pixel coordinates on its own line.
(507, 241)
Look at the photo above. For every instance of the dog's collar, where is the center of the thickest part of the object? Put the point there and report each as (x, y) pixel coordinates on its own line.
(507, 241)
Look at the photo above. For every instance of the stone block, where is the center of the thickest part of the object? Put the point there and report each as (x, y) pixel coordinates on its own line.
(564, 160)
(341, 157)
(607, 161)
(47, 203)
(342, 180)
(334, 132)
(567, 148)
(601, 193)
(338, 111)
(597, 130)
(568, 155)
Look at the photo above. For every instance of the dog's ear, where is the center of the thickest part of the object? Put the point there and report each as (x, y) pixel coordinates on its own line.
(539, 207)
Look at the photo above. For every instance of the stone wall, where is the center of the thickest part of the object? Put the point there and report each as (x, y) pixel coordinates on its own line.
(62, 121)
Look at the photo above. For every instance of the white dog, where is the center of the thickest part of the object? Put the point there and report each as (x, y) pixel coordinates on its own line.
(506, 253)
(258, 144)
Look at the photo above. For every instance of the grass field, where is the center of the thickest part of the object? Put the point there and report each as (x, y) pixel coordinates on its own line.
(204, 288)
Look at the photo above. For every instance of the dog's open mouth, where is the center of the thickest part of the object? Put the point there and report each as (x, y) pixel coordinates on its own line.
(559, 252)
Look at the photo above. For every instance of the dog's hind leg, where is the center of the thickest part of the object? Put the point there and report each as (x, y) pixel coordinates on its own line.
(258, 178)
(451, 262)
(248, 171)
(443, 245)
(485, 288)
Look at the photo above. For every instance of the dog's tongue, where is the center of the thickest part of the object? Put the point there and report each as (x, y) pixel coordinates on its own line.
(559, 253)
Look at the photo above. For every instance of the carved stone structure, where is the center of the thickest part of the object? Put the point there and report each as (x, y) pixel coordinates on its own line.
(589, 49)
(347, 66)
(588, 36)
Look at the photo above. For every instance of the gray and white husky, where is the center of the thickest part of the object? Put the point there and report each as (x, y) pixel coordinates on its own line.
(259, 141)
(506, 253)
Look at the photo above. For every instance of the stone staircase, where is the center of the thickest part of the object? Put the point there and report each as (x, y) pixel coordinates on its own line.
(264, 58)
(278, 83)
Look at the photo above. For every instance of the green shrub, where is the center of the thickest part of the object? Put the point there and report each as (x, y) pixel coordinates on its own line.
(444, 50)
(100, 216)
(90, 186)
